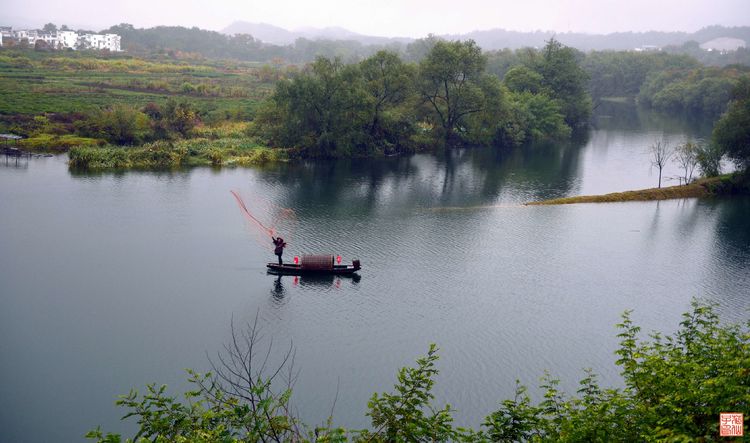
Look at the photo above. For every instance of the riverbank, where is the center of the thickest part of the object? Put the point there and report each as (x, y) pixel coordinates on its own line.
(184, 153)
(225, 144)
(705, 187)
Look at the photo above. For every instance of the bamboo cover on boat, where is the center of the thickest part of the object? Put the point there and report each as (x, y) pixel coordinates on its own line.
(317, 262)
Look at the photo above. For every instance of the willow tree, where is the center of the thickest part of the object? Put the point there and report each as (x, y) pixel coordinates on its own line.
(454, 86)
(389, 82)
(321, 111)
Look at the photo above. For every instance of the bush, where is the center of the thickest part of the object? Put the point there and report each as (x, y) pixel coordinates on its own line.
(48, 142)
(675, 388)
(119, 124)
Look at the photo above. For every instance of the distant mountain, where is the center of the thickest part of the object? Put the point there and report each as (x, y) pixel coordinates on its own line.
(500, 38)
(280, 36)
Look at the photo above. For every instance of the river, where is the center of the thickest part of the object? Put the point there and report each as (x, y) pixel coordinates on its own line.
(109, 281)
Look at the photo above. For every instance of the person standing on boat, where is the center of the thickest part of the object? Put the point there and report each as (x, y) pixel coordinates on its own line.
(279, 244)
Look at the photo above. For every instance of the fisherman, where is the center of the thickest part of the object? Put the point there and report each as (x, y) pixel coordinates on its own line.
(279, 244)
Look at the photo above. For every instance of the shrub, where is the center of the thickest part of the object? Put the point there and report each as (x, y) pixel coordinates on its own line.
(675, 388)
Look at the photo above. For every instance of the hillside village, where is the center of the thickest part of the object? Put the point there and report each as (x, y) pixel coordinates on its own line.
(59, 39)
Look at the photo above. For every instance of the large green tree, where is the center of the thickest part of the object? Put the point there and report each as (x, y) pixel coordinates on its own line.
(732, 131)
(390, 84)
(323, 111)
(564, 80)
(454, 86)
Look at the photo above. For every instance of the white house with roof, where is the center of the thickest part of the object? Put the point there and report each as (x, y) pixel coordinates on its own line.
(67, 39)
(100, 41)
(63, 39)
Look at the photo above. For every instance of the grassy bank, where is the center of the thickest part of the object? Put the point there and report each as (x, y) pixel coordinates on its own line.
(218, 145)
(166, 155)
(706, 187)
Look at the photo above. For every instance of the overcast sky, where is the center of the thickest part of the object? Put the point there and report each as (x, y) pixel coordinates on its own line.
(408, 18)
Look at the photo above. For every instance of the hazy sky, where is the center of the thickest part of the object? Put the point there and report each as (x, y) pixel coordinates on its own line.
(410, 18)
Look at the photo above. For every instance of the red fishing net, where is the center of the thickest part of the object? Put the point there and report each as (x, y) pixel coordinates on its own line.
(265, 219)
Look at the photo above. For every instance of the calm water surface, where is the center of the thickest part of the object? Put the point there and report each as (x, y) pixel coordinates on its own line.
(110, 281)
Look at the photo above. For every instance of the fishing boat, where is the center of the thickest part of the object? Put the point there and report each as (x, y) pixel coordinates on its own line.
(314, 264)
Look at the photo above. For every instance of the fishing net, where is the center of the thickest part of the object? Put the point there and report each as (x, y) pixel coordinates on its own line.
(265, 219)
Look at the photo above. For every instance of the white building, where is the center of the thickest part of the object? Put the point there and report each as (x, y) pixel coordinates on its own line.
(100, 41)
(6, 32)
(64, 39)
(31, 35)
(67, 39)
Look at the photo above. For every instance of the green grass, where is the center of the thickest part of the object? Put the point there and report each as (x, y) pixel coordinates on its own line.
(49, 142)
(722, 185)
(170, 155)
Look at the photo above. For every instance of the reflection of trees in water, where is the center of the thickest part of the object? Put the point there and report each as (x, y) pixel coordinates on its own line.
(629, 117)
(327, 185)
(733, 228)
(540, 171)
(458, 177)
(731, 253)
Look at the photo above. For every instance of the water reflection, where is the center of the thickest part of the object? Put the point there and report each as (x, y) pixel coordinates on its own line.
(15, 163)
(460, 177)
(312, 281)
(277, 291)
(627, 117)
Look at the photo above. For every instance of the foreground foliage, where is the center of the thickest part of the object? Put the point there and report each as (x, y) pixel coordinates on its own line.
(675, 387)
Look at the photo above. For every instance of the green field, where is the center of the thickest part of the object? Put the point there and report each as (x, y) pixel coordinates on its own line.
(60, 101)
(33, 83)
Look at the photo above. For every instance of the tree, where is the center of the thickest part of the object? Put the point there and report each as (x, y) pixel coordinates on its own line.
(564, 80)
(686, 157)
(389, 81)
(41, 45)
(732, 132)
(237, 402)
(180, 116)
(406, 415)
(49, 27)
(709, 157)
(660, 152)
(534, 117)
(449, 82)
(120, 124)
(418, 49)
(522, 79)
(323, 111)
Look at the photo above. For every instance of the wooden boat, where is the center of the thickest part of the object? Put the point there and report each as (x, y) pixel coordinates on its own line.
(314, 265)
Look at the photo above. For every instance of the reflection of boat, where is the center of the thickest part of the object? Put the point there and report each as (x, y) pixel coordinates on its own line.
(314, 265)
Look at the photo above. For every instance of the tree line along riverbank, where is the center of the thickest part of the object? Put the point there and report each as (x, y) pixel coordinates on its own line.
(119, 112)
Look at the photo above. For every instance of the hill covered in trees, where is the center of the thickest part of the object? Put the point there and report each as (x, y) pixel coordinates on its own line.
(263, 43)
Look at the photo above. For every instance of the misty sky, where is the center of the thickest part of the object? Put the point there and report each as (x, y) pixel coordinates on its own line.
(408, 18)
